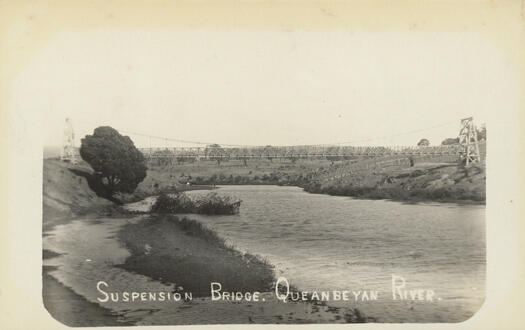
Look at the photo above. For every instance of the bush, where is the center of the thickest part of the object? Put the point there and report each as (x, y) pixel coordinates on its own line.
(179, 203)
(210, 203)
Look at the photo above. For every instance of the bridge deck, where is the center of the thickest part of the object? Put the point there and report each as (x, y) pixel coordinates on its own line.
(314, 152)
(296, 152)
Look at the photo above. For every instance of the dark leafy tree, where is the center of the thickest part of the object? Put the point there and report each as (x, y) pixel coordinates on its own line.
(423, 143)
(117, 163)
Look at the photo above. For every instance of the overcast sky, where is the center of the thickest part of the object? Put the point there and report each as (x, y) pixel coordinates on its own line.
(264, 87)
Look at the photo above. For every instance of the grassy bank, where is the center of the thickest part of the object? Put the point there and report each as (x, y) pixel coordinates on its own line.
(67, 191)
(183, 252)
(443, 195)
(425, 182)
(205, 174)
(388, 178)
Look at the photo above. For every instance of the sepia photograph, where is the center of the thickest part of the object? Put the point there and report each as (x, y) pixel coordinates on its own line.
(184, 192)
(278, 174)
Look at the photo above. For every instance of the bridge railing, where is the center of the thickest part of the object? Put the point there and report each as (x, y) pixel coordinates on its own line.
(294, 152)
(299, 151)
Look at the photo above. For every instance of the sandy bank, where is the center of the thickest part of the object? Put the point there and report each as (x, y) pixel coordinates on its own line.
(182, 252)
(78, 265)
(73, 310)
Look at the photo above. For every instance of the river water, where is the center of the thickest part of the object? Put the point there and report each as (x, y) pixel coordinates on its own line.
(319, 242)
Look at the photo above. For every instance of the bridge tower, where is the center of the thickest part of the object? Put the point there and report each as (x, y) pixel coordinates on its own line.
(468, 138)
(68, 152)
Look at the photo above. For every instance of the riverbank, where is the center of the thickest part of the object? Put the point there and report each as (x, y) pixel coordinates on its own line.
(390, 177)
(70, 284)
(67, 192)
(67, 196)
(444, 183)
(366, 179)
(68, 307)
(183, 252)
(73, 310)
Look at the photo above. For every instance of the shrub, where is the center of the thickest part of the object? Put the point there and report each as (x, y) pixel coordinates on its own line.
(210, 203)
(179, 203)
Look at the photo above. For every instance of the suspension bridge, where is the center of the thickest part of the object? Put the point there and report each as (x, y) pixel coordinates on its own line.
(467, 149)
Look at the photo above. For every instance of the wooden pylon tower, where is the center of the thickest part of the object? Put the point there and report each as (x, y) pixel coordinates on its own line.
(468, 138)
(68, 152)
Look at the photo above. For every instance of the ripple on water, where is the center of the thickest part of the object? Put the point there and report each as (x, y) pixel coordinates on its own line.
(320, 241)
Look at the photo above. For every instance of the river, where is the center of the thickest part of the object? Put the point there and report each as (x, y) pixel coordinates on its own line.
(321, 242)
(317, 242)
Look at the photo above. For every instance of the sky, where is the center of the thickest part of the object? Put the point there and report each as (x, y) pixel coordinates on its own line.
(263, 87)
